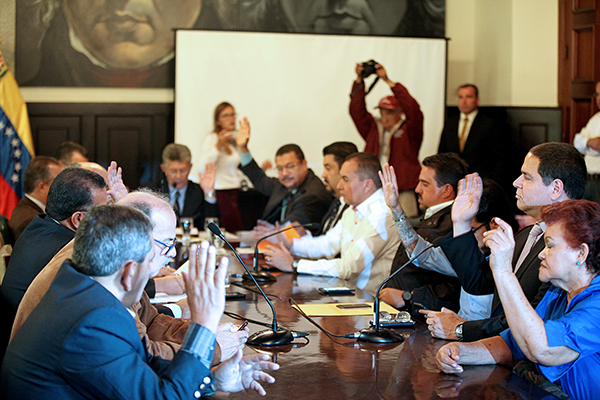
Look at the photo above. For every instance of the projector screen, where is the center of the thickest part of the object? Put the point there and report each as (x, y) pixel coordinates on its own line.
(294, 88)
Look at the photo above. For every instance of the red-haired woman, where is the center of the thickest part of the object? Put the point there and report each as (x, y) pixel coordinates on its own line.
(561, 335)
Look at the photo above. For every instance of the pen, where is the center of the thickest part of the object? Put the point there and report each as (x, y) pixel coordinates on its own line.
(241, 328)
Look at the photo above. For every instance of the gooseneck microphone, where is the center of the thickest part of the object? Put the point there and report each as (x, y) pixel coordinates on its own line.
(376, 334)
(269, 337)
(264, 276)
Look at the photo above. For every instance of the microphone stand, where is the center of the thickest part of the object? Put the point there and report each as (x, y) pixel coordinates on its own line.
(269, 337)
(264, 276)
(376, 334)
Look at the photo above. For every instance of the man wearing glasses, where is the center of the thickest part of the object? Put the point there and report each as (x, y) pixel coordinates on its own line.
(296, 195)
(588, 143)
(163, 334)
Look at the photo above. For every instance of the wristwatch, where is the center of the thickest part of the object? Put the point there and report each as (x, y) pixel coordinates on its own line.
(459, 331)
(407, 297)
(295, 266)
(210, 195)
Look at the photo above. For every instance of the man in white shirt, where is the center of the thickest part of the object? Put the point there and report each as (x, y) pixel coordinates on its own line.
(588, 143)
(365, 236)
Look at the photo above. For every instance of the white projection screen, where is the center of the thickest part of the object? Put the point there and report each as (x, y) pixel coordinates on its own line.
(294, 88)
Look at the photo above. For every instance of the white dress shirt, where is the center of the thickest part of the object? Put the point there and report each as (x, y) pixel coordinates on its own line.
(592, 157)
(365, 237)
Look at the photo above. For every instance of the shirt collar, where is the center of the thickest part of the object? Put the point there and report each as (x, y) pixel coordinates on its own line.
(37, 202)
(363, 208)
(433, 209)
(471, 116)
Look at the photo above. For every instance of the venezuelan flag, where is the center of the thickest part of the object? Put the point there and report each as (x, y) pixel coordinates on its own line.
(16, 143)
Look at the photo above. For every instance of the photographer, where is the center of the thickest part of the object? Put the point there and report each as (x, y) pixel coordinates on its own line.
(396, 136)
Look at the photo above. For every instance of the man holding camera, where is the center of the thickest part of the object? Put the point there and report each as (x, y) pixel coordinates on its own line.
(396, 136)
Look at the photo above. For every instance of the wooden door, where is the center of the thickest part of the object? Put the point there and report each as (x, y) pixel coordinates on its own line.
(579, 62)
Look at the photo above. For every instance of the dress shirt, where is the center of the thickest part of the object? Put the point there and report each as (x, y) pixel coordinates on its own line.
(592, 157)
(574, 324)
(472, 307)
(37, 202)
(365, 237)
(461, 123)
(433, 209)
(173, 193)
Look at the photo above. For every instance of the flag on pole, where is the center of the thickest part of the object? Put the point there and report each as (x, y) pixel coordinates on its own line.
(16, 143)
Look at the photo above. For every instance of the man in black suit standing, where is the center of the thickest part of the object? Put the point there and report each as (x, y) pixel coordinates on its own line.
(477, 139)
(187, 198)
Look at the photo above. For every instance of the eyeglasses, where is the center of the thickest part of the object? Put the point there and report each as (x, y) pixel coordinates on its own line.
(166, 248)
(288, 167)
(228, 115)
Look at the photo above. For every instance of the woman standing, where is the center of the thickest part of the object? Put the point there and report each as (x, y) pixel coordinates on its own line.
(219, 148)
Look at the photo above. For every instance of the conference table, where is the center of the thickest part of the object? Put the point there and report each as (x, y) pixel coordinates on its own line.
(322, 367)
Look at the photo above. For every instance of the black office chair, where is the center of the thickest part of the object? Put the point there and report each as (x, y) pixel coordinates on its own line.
(5, 230)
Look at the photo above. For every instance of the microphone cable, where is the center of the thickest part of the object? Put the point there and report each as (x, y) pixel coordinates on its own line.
(331, 335)
(296, 334)
(240, 285)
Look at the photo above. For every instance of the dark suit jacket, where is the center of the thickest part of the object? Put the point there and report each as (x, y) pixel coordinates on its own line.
(431, 289)
(309, 204)
(194, 205)
(484, 149)
(81, 342)
(475, 275)
(22, 215)
(40, 241)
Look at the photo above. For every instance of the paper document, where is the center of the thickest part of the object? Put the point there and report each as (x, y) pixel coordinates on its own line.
(332, 309)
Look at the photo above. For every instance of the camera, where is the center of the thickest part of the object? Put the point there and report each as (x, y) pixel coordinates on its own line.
(368, 68)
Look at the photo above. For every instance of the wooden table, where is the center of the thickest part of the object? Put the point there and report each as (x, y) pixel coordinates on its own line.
(325, 368)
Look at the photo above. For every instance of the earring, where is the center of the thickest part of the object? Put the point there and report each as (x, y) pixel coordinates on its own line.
(578, 263)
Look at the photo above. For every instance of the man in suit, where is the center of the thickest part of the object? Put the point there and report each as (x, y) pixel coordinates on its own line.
(94, 350)
(552, 172)
(476, 138)
(296, 195)
(69, 152)
(188, 199)
(436, 191)
(163, 334)
(39, 175)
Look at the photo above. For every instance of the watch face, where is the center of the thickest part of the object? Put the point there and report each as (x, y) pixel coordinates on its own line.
(407, 296)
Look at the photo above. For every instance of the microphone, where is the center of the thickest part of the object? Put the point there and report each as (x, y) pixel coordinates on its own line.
(269, 337)
(376, 334)
(264, 276)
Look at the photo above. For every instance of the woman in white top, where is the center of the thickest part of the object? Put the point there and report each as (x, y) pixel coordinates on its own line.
(219, 148)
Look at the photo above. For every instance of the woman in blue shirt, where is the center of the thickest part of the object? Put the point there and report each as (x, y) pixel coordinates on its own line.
(561, 335)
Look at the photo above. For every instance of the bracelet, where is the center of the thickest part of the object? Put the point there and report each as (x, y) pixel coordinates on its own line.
(210, 194)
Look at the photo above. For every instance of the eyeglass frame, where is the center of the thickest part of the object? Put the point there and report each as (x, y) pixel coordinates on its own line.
(166, 247)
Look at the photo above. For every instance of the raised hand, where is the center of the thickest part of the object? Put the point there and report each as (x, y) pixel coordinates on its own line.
(390, 187)
(116, 188)
(207, 180)
(466, 203)
(501, 242)
(205, 287)
(243, 136)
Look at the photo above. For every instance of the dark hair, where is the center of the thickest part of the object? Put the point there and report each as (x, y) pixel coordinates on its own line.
(449, 168)
(495, 203)
(339, 151)
(368, 167)
(218, 110)
(288, 148)
(65, 150)
(580, 221)
(38, 171)
(562, 161)
(71, 191)
(176, 152)
(467, 85)
(108, 237)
